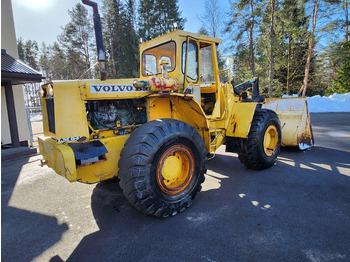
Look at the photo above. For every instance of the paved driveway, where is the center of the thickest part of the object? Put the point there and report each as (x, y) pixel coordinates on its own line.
(298, 210)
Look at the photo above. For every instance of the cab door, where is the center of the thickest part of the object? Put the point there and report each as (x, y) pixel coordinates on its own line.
(190, 67)
(210, 83)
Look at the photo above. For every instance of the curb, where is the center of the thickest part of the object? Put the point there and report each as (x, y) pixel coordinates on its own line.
(18, 154)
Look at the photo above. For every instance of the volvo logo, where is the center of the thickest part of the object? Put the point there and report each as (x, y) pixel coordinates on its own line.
(98, 89)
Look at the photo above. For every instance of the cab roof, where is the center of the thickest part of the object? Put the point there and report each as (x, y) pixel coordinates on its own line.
(177, 34)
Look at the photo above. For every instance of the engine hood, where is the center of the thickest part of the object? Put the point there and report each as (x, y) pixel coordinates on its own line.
(97, 89)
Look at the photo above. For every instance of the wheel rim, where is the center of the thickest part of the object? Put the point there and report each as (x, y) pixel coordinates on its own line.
(270, 140)
(175, 170)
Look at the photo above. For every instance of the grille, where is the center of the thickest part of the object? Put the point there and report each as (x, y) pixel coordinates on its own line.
(51, 114)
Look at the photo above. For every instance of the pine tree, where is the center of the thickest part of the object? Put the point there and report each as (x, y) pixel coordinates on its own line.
(76, 41)
(272, 40)
(345, 5)
(59, 64)
(28, 52)
(120, 38)
(203, 31)
(341, 81)
(316, 5)
(244, 22)
(343, 78)
(291, 34)
(156, 17)
(111, 11)
(146, 23)
(130, 43)
(45, 61)
(20, 48)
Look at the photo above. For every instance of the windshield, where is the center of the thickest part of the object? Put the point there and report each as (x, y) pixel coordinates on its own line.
(152, 56)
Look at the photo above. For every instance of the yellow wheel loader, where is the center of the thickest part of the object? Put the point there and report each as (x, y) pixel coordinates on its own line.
(155, 132)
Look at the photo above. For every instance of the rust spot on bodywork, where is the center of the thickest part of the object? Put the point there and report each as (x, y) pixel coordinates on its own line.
(307, 137)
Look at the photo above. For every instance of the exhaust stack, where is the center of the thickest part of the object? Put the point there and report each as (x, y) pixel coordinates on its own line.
(101, 57)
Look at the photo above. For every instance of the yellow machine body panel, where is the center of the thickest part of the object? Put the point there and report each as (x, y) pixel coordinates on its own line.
(159, 108)
(241, 119)
(109, 89)
(104, 169)
(295, 120)
(61, 158)
(70, 116)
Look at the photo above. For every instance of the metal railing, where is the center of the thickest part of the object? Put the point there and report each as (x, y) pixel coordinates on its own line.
(29, 111)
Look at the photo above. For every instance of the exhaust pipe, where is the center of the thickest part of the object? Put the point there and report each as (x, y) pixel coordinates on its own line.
(101, 57)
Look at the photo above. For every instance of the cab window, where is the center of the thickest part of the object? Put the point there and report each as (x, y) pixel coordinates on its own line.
(192, 61)
(152, 56)
(206, 62)
(150, 64)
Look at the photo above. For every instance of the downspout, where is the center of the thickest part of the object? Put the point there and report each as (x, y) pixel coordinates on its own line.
(101, 57)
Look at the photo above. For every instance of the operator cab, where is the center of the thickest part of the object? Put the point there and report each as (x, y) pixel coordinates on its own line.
(190, 55)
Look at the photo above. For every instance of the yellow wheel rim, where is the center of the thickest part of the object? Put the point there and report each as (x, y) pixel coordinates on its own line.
(270, 140)
(175, 170)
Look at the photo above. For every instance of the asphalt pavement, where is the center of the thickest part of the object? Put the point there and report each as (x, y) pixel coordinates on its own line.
(298, 210)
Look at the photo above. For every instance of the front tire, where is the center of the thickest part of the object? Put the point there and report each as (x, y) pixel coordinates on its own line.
(263, 142)
(162, 166)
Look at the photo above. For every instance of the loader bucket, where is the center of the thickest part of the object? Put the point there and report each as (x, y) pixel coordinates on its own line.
(295, 120)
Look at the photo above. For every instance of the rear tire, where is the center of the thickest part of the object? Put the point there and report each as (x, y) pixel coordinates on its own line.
(264, 140)
(162, 166)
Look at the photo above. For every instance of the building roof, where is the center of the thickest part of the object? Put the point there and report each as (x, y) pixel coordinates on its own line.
(16, 72)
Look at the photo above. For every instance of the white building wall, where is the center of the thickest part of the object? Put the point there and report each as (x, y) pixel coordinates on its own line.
(9, 42)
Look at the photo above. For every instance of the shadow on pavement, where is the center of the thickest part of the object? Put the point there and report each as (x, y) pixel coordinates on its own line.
(298, 210)
(33, 233)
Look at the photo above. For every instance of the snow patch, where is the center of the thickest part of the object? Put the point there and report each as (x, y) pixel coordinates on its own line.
(323, 104)
(303, 146)
(294, 95)
(332, 103)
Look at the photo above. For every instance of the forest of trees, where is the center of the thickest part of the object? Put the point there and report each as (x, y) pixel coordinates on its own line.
(293, 46)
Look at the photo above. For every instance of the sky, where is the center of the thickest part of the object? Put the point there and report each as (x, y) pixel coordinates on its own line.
(41, 20)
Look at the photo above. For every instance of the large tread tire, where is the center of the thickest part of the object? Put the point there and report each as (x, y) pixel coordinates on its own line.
(256, 157)
(140, 157)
